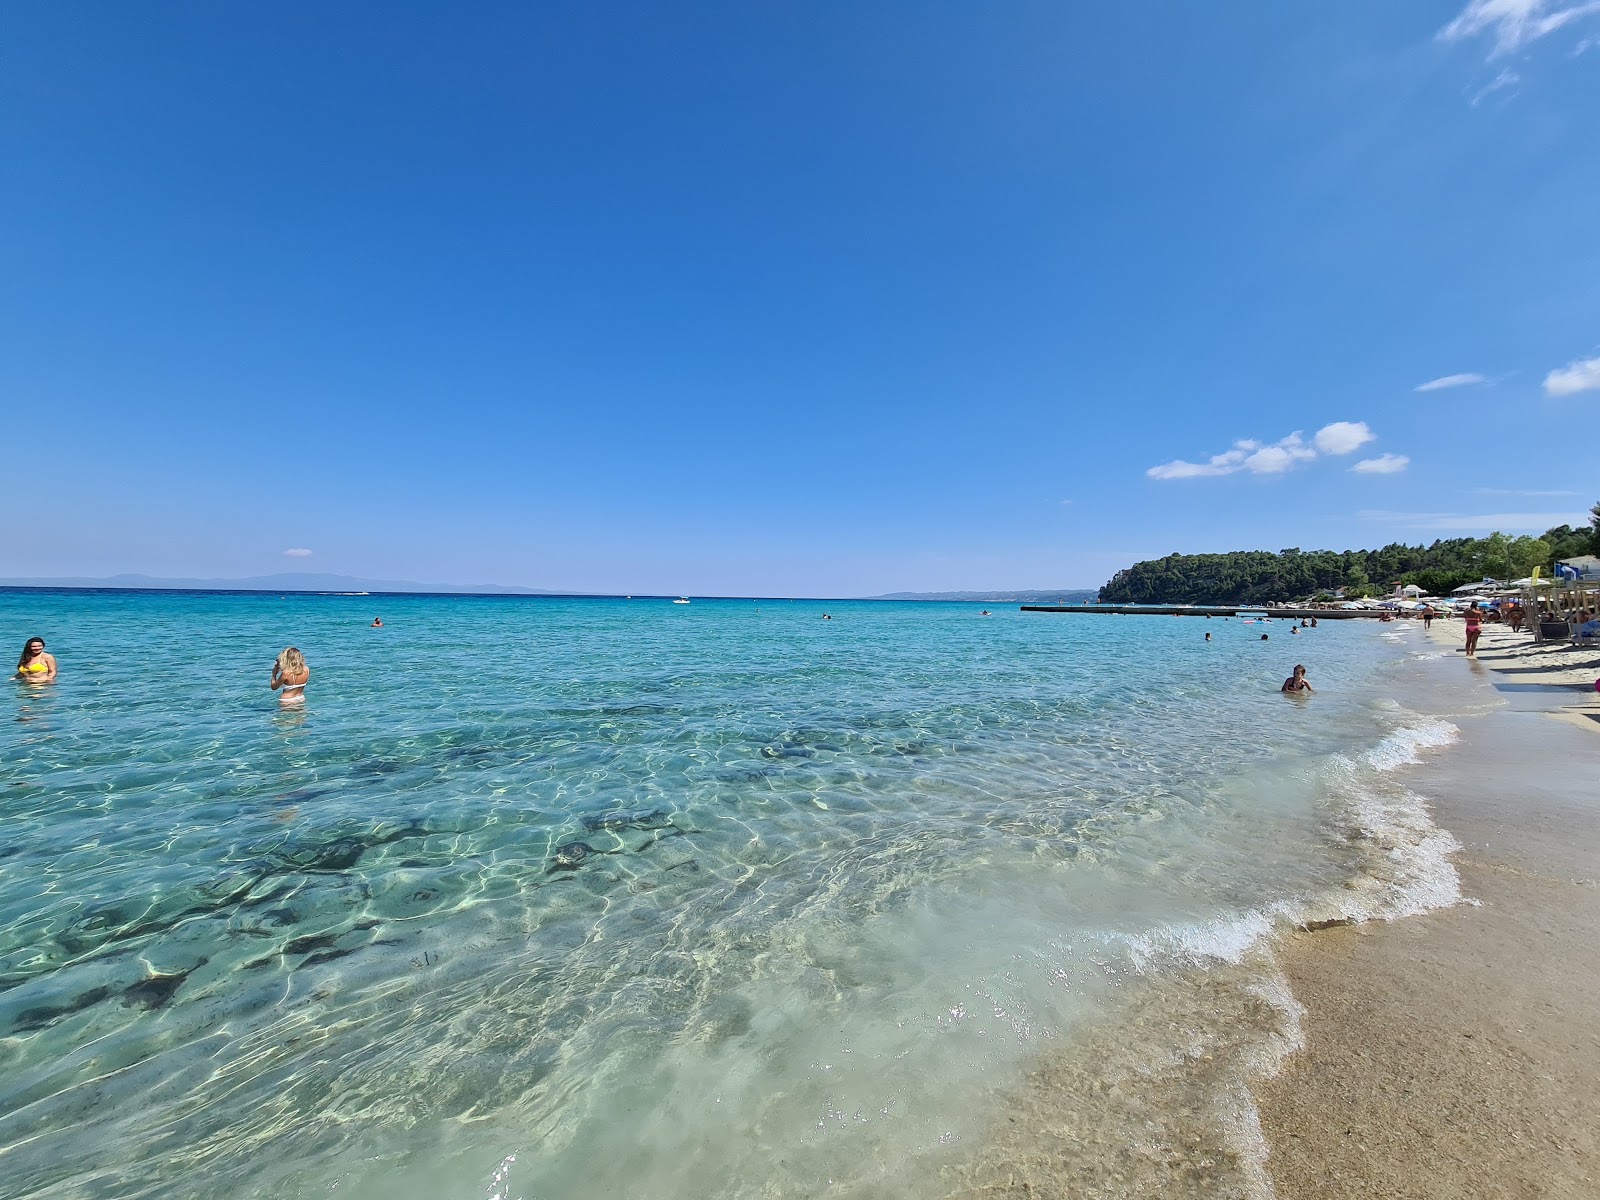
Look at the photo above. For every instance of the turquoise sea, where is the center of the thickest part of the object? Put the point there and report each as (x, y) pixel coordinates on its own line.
(606, 897)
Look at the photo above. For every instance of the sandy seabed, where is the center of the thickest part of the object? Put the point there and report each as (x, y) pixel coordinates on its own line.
(1457, 1053)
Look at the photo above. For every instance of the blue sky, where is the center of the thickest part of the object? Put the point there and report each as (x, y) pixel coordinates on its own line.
(790, 299)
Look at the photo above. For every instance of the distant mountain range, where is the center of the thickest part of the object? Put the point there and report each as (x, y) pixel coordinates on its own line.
(1034, 596)
(286, 582)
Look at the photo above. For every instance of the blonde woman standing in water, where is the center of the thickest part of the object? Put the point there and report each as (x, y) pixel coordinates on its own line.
(291, 673)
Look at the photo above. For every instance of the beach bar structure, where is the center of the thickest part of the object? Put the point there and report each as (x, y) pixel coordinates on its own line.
(1563, 600)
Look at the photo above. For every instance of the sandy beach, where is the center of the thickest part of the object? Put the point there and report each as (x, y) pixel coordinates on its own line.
(1456, 1053)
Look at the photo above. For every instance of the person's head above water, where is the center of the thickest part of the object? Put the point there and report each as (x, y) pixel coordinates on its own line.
(31, 649)
(1263, 637)
(291, 662)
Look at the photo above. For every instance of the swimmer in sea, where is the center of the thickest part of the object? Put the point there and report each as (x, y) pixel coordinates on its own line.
(1297, 681)
(1208, 636)
(290, 673)
(35, 666)
(377, 623)
(1263, 637)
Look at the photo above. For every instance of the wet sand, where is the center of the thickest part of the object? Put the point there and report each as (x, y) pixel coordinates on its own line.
(1458, 1053)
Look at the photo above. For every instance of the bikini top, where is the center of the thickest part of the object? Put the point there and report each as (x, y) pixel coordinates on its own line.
(37, 667)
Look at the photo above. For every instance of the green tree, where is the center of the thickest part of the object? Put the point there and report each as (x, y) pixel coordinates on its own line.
(1567, 542)
(1436, 581)
(1495, 555)
(1527, 553)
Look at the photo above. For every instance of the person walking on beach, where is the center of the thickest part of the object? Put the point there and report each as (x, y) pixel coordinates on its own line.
(1297, 681)
(1474, 629)
(35, 666)
(290, 673)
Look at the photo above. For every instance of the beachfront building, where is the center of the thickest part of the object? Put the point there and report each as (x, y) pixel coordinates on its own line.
(1584, 566)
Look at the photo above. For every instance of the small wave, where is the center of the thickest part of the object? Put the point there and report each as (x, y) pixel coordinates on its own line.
(1401, 747)
(1201, 943)
(1403, 859)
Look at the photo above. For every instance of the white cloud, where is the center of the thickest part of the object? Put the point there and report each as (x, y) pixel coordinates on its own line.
(1507, 78)
(1580, 376)
(1518, 492)
(1449, 381)
(1513, 23)
(297, 552)
(1485, 523)
(1246, 455)
(1220, 464)
(1384, 464)
(1262, 458)
(1279, 457)
(1343, 437)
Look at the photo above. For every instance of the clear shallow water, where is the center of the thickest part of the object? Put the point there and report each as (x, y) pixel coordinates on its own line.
(544, 897)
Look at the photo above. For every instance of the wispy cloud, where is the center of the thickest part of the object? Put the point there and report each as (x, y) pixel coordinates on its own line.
(1474, 522)
(1513, 24)
(1274, 458)
(1483, 491)
(297, 552)
(1580, 376)
(1344, 437)
(1450, 381)
(1384, 464)
(1507, 78)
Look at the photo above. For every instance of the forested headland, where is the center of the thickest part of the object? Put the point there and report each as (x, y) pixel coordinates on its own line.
(1260, 576)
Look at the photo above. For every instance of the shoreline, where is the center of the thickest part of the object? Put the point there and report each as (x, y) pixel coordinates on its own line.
(1454, 1052)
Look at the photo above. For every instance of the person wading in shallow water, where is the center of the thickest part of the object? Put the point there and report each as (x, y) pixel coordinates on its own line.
(1297, 681)
(35, 665)
(1474, 628)
(291, 673)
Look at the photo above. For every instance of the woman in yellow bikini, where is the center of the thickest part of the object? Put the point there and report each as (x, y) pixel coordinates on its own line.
(35, 666)
(291, 673)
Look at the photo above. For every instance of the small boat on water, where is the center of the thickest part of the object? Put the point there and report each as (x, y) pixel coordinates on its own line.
(681, 600)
